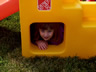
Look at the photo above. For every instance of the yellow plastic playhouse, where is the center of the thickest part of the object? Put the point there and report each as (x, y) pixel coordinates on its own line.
(79, 20)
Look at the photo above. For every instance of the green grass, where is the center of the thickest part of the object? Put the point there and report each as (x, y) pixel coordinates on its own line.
(11, 59)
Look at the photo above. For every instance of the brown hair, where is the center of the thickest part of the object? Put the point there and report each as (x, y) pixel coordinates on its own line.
(45, 26)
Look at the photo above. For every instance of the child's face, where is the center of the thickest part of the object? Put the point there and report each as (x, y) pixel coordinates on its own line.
(46, 34)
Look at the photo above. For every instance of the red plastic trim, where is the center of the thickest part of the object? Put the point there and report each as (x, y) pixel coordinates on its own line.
(8, 7)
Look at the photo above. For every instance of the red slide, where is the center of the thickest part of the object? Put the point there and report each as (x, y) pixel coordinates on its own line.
(8, 7)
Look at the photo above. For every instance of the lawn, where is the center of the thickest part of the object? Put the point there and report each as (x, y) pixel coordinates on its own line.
(11, 59)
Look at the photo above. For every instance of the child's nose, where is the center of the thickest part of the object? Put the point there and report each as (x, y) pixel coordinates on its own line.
(45, 34)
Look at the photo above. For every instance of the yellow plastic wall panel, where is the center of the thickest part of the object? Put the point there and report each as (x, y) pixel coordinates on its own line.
(89, 10)
(79, 34)
(70, 1)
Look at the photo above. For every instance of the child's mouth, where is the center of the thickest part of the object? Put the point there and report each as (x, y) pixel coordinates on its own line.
(46, 37)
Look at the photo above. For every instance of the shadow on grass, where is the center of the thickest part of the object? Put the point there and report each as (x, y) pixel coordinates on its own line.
(9, 40)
